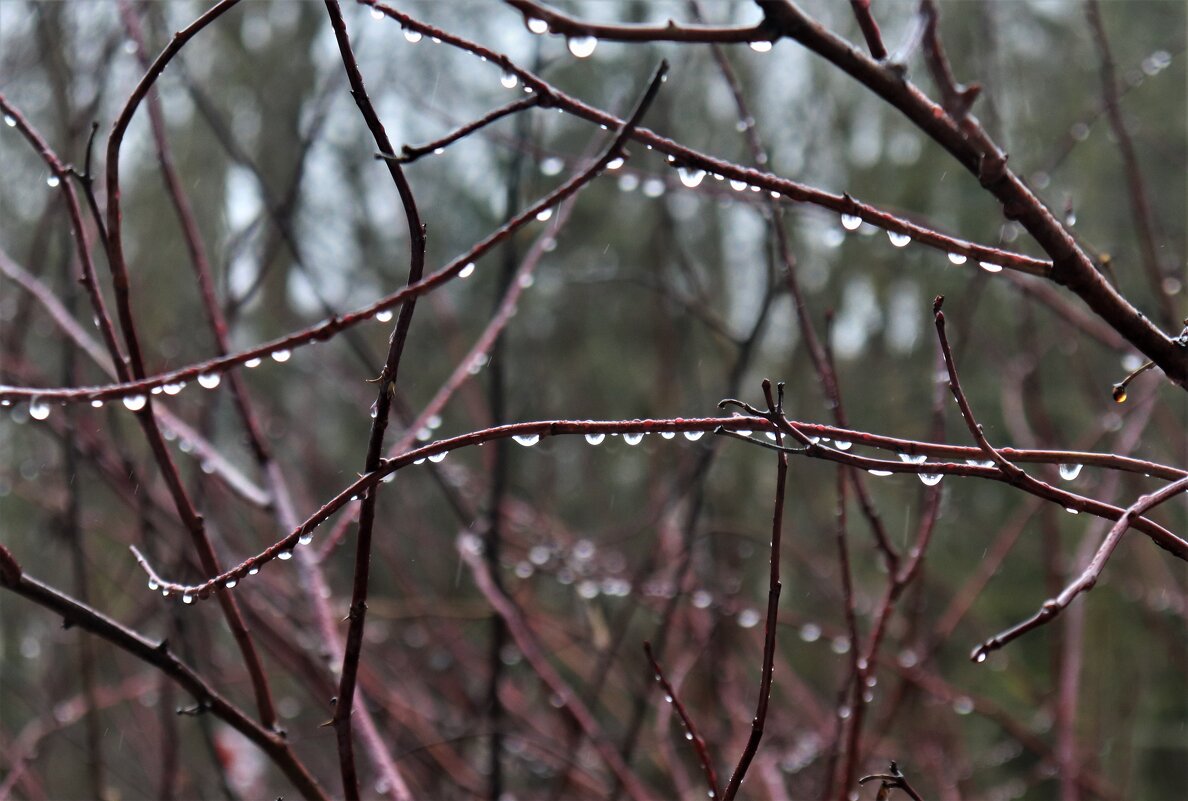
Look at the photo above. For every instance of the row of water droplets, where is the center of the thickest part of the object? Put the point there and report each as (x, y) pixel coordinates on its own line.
(39, 409)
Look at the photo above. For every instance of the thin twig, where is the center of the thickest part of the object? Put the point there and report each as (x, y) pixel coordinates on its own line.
(1089, 576)
(670, 694)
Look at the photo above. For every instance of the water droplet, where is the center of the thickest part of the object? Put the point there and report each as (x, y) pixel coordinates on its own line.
(509, 80)
(527, 440)
(879, 473)
(691, 176)
(419, 461)
(930, 479)
(990, 268)
(702, 599)
(97, 404)
(153, 585)
(411, 36)
(253, 571)
(615, 163)
(285, 556)
(1070, 471)
(537, 25)
(688, 735)
(383, 315)
(737, 186)
(628, 182)
(250, 363)
(230, 584)
(748, 618)
(653, 187)
(963, 705)
(1072, 511)
(844, 712)
(761, 46)
(209, 380)
(980, 655)
(957, 258)
(281, 355)
(437, 458)
(668, 698)
(842, 445)
(582, 46)
(667, 434)
(897, 239)
(693, 436)
(433, 422)
(840, 645)
(633, 439)
(377, 14)
(187, 598)
(527, 280)
(544, 215)
(173, 389)
(10, 120)
(595, 439)
(134, 403)
(38, 409)
(810, 632)
(907, 658)
(374, 410)
(907, 457)
(1119, 394)
(305, 539)
(1070, 219)
(52, 181)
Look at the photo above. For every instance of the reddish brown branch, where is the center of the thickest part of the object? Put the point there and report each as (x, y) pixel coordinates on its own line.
(776, 408)
(869, 28)
(1089, 576)
(670, 694)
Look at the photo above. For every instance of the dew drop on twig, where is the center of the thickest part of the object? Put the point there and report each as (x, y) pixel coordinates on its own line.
(595, 439)
(134, 403)
(693, 436)
(38, 409)
(990, 268)
(633, 439)
(691, 176)
(527, 440)
(957, 258)
(761, 46)
(509, 80)
(537, 25)
(411, 36)
(281, 355)
(208, 380)
(897, 239)
(582, 46)
(850, 222)
(1070, 471)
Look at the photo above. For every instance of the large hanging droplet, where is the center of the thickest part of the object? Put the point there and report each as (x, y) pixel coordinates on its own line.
(582, 46)
(1070, 471)
(527, 440)
(134, 403)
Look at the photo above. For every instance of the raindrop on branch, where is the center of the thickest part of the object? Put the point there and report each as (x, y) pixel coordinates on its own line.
(208, 380)
(38, 409)
(527, 440)
(281, 355)
(957, 258)
(691, 177)
(595, 439)
(537, 26)
(990, 268)
(466, 271)
(693, 436)
(850, 222)
(1070, 471)
(633, 439)
(411, 36)
(134, 403)
(582, 46)
(761, 46)
(509, 80)
(897, 239)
